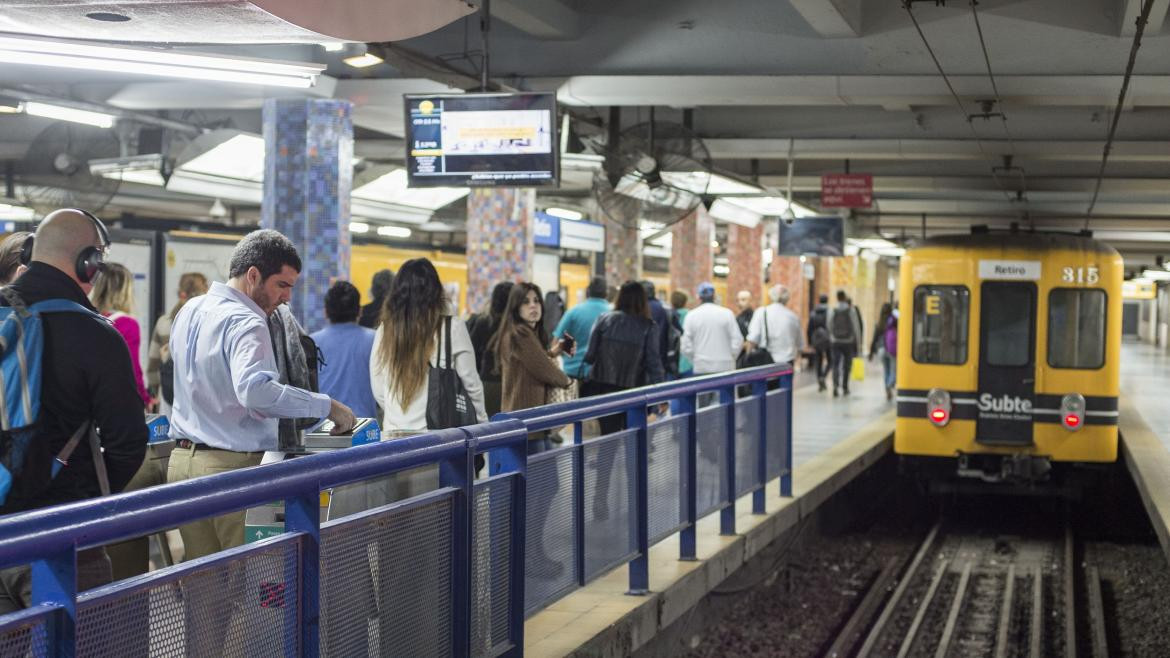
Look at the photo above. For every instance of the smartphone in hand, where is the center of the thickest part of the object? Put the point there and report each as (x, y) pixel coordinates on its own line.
(568, 344)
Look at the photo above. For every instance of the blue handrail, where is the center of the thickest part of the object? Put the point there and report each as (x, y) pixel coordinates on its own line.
(49, 538)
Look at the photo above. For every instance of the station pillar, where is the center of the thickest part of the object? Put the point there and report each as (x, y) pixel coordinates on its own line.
(308, 176)
(623, 250)
(745, 261)
(499, 241)
(691, 256)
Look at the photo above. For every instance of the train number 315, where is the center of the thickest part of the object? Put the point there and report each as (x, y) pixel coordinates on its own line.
(1089, 275)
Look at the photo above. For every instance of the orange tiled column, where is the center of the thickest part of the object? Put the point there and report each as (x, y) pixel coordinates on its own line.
(745, 263)
(691, 257)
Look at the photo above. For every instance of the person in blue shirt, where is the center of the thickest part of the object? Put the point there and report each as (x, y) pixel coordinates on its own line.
(345, 347)
(578, 323)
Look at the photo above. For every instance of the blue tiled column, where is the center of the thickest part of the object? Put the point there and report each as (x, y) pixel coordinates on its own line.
(308, 174)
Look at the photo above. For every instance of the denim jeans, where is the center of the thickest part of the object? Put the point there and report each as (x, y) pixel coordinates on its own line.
(889, 365)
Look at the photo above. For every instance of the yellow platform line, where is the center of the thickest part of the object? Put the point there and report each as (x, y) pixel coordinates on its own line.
(601, 614)
(1148, 461)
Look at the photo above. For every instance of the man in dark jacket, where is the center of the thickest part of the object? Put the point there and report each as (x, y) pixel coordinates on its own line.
(86, 378)
(818, 338)
(661, 318)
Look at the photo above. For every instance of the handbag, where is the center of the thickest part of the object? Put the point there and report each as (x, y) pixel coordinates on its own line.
(556, 394)
(448, 404)
(857, 369)
(758, 355)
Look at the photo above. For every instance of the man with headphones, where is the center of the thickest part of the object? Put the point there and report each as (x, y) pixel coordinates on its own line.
(86, 377)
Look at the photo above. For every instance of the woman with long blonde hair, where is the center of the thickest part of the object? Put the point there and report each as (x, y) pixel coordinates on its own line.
(406, 344)
(191, 285)
(113, 297)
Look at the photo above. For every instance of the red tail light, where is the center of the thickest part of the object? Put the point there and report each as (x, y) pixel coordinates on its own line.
(1072, 411)
(938, 404)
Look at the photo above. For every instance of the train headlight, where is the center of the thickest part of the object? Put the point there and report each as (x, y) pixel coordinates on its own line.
(938, 407)
(1072, 411)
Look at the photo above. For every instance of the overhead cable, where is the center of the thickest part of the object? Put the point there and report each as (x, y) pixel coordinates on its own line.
(998, 99)
(906, 4)
(1142, 18)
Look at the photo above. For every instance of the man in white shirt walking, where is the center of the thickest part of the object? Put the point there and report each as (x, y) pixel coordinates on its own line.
(775, 328)
(711, 337)
(228, 395)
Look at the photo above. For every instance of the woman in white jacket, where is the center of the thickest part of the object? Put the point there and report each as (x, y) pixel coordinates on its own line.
(407, 343)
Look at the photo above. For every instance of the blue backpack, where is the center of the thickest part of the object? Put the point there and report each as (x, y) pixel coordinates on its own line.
(21, 353)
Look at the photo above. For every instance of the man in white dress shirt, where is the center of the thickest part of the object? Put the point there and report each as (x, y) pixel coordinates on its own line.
(228, 395)
(711, 337)
(776, 328)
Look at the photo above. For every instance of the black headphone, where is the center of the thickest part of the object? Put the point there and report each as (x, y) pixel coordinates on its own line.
(90, 261)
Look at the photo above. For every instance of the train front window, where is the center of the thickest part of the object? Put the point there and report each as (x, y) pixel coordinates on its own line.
(940, 324)
(1076, 328)
(1007, 324)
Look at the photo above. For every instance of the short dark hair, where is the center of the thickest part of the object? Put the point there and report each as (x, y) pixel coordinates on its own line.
(597, 288)
(266, 250)
(632, 300)
(343, 302)
(678, 299)
(647, 286)
(824, 299)
(380, 286)
(841, 296)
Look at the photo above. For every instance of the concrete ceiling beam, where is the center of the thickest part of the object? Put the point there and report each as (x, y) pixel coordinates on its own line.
(895, 91)
(832, 19)
(545, 19)
(934, 149)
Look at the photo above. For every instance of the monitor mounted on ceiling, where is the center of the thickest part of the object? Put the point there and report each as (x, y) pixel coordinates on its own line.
(482, 140)
(820, 236)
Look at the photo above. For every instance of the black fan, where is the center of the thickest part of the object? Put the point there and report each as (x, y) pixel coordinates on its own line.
(657, 171)
(55, 170)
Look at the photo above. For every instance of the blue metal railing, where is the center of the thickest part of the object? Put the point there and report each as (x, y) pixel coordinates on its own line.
(463, 545)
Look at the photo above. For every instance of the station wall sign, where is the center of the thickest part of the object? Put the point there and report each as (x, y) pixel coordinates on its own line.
(546, 230)
(583, 236)
(847, 191)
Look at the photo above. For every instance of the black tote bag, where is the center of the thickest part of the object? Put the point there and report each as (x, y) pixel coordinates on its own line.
(448, 404)
(759, 355)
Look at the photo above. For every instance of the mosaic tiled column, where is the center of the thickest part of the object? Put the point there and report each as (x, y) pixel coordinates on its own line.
(308, 175)
(745, 262)
(788, 271)
(623, 251)
(691, 255)
(499, 240)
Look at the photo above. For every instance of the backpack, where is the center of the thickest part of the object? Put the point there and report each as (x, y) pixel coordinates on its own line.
(22, 343)
(673, 343)
(842, 326)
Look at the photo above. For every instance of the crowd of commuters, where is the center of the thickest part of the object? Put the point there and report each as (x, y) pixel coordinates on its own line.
(223, 364)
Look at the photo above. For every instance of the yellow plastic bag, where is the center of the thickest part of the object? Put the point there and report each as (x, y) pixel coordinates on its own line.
(857, 372)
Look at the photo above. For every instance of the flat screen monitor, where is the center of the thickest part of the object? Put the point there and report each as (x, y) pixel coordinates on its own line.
(821, 236)
(482, 140)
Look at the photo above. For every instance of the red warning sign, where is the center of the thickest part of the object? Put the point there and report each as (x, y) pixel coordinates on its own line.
(847, 191)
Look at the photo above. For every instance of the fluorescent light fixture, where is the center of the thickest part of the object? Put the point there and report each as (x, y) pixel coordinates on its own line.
(735, 214)
(391, 188)
(1156, 275)
(359, 227)
(362, 61)
(705, 182)
(892, 252)
(16, 213)
(722, 270)
(394, 231)
(158, 62)
(770, 206)
(10, 105)
(581, 161)
(141, 176)
(62, 113)
(870, 243)
(656, 252)
(565, 213)
(333, 46)
(770, 255)
(142, 169)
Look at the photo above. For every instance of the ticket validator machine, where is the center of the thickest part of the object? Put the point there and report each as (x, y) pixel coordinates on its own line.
(268, 520)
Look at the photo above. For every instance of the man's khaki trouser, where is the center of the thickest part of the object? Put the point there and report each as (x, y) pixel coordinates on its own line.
(208, 536)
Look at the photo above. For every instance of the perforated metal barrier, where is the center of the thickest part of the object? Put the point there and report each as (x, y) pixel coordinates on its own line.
(386, 580)
(242, 602)
(454, 571)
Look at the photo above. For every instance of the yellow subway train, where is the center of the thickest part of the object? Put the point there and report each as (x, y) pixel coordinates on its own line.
(1009, 349)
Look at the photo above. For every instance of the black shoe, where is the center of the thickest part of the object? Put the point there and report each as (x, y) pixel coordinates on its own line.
(846, 391)
(889, 394)
(821, 387)
(835, 392)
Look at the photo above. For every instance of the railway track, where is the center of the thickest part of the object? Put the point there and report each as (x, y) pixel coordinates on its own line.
(970, 594)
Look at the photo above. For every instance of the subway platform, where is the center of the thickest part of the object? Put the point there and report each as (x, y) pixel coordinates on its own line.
(1144, 425)
(834, 439)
